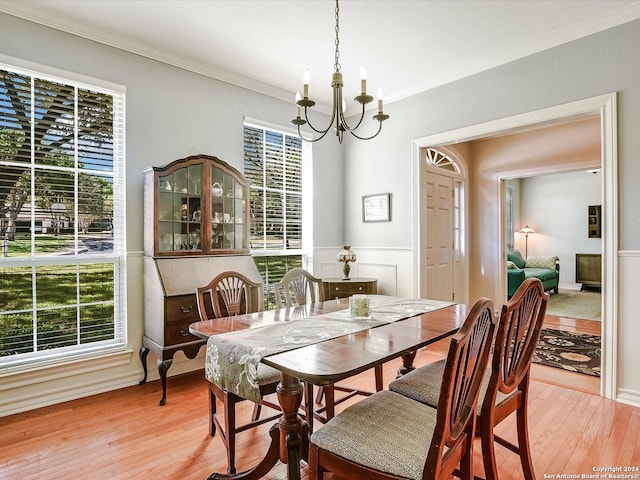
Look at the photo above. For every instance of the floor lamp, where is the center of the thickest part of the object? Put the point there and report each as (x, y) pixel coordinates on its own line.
(526, 230)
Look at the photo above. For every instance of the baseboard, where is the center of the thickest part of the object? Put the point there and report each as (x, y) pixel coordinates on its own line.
(53, 396)
(628, 397)
(570, 286)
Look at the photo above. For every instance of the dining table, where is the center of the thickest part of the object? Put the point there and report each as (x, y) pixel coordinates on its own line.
(320, 343)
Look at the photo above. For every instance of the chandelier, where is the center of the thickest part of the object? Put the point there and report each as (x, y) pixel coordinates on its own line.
(339, 105)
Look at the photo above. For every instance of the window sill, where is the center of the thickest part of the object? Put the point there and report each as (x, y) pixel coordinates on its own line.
(25, 375)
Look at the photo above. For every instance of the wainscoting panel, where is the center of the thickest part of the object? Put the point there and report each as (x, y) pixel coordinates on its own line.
(393, 268)
(387, 275)
(628, 329)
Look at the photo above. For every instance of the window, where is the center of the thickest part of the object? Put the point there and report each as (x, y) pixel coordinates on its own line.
(62, 288)
(274, 164)
(509, 219)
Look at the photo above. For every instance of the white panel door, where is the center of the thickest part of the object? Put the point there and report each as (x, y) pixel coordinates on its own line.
(440, 235)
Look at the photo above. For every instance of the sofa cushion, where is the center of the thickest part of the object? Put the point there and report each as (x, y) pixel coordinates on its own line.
(541, 262)
(511, 265)
(516, 257)
(543, 274)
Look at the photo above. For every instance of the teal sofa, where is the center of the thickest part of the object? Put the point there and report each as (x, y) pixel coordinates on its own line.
(547, 269)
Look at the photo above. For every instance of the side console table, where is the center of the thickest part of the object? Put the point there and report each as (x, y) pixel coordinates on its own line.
(338, 288)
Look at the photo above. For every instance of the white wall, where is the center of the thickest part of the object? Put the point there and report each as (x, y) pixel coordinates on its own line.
(556, 207)
(596, 65)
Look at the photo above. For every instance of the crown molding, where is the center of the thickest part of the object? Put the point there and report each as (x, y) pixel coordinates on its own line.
(31, 12)
(81, 29)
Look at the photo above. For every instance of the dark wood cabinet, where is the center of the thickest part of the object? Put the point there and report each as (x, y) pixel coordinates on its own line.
(338, 288)
(196, 225)
(196, 206)
(589, 270)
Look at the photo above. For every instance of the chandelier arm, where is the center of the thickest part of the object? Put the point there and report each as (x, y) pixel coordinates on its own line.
(312, 140)
(372, 136)
(346, 126)
(314, 128)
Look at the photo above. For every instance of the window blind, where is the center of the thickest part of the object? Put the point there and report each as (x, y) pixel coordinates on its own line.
(273, 164)
(62, 220)
(509, 219)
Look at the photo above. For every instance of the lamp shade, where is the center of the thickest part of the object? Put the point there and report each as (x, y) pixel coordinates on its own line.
(346, 255)
(526, 229)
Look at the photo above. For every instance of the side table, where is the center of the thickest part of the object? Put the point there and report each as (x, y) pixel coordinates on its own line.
(339, 288)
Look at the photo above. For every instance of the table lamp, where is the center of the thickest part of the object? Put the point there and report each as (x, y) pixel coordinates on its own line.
(346, 255)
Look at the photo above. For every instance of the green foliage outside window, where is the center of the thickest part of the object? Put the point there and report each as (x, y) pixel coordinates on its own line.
(64, 315)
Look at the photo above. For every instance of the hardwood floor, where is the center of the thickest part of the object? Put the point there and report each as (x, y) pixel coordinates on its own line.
(124, 434)
(556, 376)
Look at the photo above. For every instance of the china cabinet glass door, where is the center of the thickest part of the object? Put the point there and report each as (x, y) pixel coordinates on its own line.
(227, 211)
(180, 210)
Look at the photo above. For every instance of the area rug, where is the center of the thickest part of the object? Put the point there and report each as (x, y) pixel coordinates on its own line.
(575, 352)
(575, 304)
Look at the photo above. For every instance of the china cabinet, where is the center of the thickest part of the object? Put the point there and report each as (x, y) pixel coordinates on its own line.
(196, 225)
(198, 207)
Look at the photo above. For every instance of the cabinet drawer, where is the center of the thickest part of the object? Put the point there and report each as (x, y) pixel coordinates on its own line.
(179, 333)
(182, 308)
(350, 289)
(345, 288)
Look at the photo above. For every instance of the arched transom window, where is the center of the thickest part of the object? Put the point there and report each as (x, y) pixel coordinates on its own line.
(435, 158)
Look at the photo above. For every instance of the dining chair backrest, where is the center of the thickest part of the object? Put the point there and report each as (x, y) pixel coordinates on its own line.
(467, 360)
(298, 287)
(519, 328)
(228, 294)
(518, 332)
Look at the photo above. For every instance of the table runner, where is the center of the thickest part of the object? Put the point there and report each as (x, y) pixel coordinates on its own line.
(232, 359)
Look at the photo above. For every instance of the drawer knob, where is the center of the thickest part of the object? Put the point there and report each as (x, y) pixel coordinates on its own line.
(360, 288)
(186, 308)
(184, 332)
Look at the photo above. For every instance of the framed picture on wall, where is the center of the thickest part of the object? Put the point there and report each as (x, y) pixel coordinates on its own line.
(594, 221)
(376, 208)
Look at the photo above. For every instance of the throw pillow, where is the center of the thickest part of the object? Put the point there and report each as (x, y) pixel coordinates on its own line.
(541, 262)
(516, 257)
(511, 265)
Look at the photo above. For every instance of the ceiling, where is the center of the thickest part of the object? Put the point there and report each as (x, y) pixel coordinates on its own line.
(406, 46)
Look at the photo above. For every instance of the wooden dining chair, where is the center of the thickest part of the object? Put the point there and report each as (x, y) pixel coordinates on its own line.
(229, 294)
(390, 436)
(506, 383)
(299, 287)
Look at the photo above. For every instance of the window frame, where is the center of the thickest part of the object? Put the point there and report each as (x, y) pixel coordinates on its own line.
(307, 210)
(77, 259)
(509, 219)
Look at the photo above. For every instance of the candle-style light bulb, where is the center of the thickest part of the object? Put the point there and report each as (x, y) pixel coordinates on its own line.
(306, 79)
(380, 96)
(363, 80)
(298, 98)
